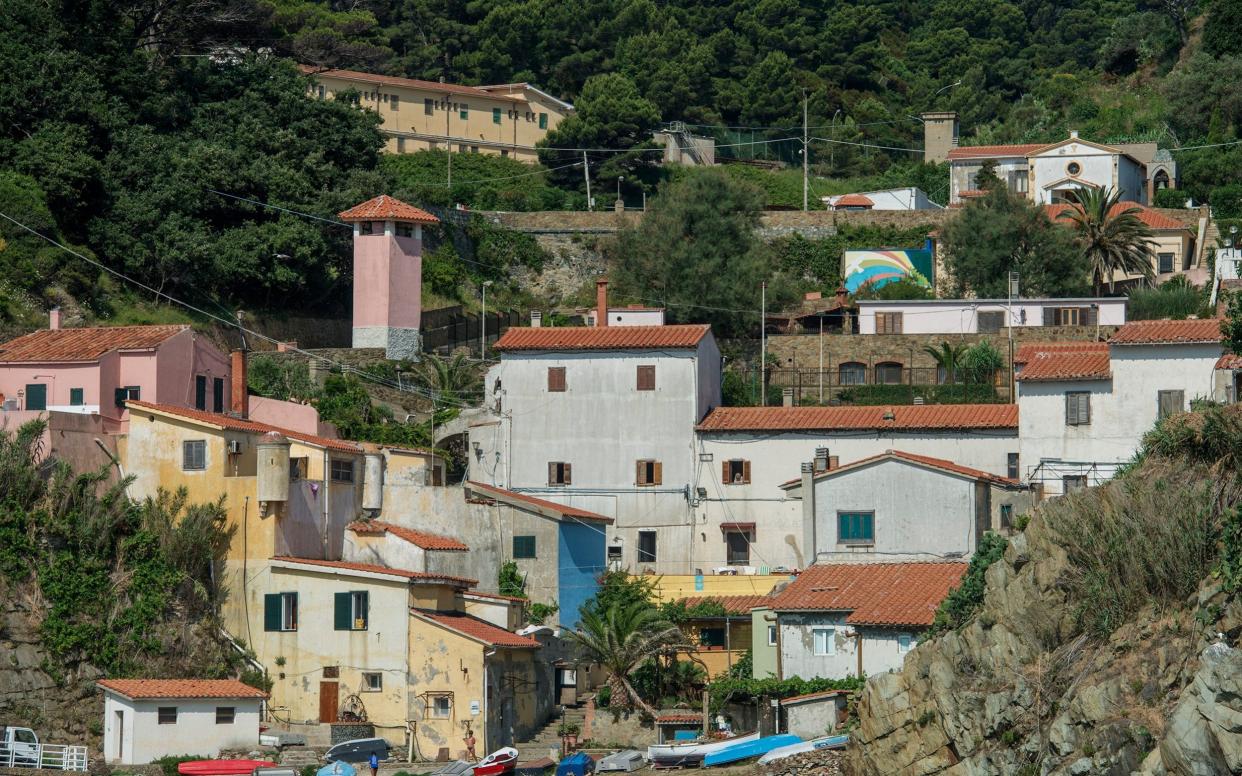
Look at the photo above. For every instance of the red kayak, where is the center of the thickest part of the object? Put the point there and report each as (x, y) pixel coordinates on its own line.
(221, 767)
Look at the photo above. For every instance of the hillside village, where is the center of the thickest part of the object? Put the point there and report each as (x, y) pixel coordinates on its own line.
(487, 426)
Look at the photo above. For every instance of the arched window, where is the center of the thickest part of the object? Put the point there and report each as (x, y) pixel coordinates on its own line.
(888, 373)
(852, 373)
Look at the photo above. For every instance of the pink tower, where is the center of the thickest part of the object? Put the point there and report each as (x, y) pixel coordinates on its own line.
(388, 275)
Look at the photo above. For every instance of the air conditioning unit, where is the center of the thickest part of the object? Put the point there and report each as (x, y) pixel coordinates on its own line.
(235, 447)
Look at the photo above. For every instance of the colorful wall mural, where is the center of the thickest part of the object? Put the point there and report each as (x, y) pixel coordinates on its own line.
(879, 266)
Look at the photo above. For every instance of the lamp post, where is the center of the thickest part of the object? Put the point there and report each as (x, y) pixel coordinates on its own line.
(620, 178)
(483, 324)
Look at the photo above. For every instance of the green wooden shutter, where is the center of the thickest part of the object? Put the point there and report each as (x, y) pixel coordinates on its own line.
(271, 612)
(342, 618)
(843, 527)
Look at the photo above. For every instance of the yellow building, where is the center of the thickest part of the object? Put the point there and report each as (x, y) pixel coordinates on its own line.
(671, 587)
(724, 636)
(504, 119)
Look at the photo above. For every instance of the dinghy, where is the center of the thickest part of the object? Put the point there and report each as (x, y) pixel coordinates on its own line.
(337, 769)
(502, 760)
(827, 742)
(625, 761)
(748, 749)
(221, 767)
(680, 755)
(357, 750)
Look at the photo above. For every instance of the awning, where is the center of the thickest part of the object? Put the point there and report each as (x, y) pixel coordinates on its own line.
(743, 527)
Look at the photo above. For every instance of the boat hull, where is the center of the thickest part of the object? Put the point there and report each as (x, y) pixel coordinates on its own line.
(748, 749)
(221, 767)
(624, 761)
(658, 752)
(827, 742)
(500, 761)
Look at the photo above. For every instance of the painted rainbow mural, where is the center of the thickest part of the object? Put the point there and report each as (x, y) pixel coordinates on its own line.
(879, 266)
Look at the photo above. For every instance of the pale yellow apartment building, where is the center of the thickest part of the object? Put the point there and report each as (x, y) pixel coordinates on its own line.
(504, 119)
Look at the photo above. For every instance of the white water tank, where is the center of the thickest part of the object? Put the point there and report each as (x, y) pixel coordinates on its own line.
(373, 481)
(273, 465)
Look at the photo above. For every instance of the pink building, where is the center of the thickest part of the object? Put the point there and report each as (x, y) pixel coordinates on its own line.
(92, 371)
(388, 267)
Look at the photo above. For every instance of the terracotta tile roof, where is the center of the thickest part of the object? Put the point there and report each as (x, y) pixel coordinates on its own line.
(479, 630)
(678, 718)
(384, 208)
(603, 337)
(1229, 361)
(407, 83)
(853, 200)
(143, 689)
(887, 594)
(911, 417)
(1031, 349)
(1145, 214)
(428, 541)
(921, 460)
(733, 604)
(251, 426)
(88, 344)
(1054, 367)
(384, 570)
(497, 596)
(813, 695)
(1194, 331)
(495, 493)
(993, 151)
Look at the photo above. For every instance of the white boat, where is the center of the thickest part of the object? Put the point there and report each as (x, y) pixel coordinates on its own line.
(827, 742)
(692, 752)
(627, 760)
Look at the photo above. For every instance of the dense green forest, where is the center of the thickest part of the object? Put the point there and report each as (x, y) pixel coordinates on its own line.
(120, 122)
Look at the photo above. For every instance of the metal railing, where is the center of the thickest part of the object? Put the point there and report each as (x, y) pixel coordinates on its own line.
(58, 757)
(881, 383)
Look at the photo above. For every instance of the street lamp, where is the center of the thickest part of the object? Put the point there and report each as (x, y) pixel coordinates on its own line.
(483, 324)
(946, 88)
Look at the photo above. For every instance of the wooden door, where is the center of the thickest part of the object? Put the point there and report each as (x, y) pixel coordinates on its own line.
(329, 701)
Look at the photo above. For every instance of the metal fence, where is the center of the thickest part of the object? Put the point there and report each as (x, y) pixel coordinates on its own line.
(47, 756)
(877, 384)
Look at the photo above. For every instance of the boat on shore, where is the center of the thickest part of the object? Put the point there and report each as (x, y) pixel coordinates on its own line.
(221, 767)
(357, 750)
(503, 760)
(692, 752)
(827, 742)
(748, 749)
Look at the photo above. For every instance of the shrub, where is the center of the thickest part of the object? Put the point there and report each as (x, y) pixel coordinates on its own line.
(1175, 299)
(960, 605)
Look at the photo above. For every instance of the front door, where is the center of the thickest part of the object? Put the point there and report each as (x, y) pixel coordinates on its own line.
(329, 701)
(120, 736)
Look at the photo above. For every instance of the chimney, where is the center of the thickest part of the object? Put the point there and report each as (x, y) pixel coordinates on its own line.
(53, 319)
(241, 394)
(536, 319)
(787, 397)
(601, 302)
(808, 513)
(821, 459)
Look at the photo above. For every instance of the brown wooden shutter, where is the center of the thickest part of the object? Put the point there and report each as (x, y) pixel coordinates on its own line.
(1071, 409)
(556, 378)
(551, 473)
(1050, 316)
(568, 475)
(897, 323)
(640, 473)
(1088, 316)
(724, 472)
(659, 473)
(746, 472)
(646, 378)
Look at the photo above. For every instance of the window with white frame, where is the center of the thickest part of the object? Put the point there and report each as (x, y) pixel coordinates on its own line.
(441, 707)
(771, 635)
(225, 715)
(372, 681)
(167, 715)
(905, 643)
(194, 455)
(825, 641)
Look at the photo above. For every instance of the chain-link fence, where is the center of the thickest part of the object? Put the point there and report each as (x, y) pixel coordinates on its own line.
(871, 385)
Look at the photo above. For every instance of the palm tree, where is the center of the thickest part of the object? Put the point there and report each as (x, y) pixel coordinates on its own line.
(456, 378)
(948, 359)
(1113, 237)
(623, 638)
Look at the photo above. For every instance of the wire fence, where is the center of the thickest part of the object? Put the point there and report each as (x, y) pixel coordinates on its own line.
(859, 384)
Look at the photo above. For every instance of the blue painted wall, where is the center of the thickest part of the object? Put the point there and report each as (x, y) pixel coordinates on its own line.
(580, 560)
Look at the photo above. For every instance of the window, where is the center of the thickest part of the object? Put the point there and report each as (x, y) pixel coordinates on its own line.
(1068, 316)
(366, 227)
(646, 546)
(200, 392)
(523, 547)
(771, 635)
(888, 323)
(321, 92)
(372, 681)
(225, 715)
(614, 553)
(905, 643)
(646, 377)
(504, 152)
(395, 102)
(194, 455)
(331, 672)
(991, 321)
(888, 373)
(217, 394)
(852, 373)
(711, 637)
(400, 145)
(855, 527)
(543, 121)
(350, 610)
(441, 707)
(556, 379)
(342, 470)
(1072, 482)
(76, 398)
(559, 473)
(735, 472)
(463, 111)
(648, 473)
(280, 612)
(1165, 262)
(495, 115)
(298, 467)
(1006, 516)
(1077, 408)
(1073, 168)
(1016, 181)
(405, 230)
(1169, 403)
(737, 548)
(429, 107)
(124, 394)
(1012, 467)
(825, 641)
(167, 715)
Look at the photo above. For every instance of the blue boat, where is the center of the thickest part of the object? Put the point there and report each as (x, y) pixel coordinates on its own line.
(577, 764)
(337, 769)
(748, 749)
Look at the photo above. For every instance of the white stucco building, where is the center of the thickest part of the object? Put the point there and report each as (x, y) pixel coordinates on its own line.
(743, 517)
(146, 719)
(838, 620)
(982, 316)
(907, 198)
(602, 418)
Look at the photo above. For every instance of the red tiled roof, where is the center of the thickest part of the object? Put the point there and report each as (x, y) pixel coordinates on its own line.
(812, 695)
(143, 689)
(237, 424)
(408, 83)
(603, 337)
(853, 200)
(1145, 214)
(674, 718)
(1229, 361)
(993, 151)
(1031, 349)
(733, 604)
(427, 541)
(1071, 365)
(922, 460)
(907, 417)
(890, 594)
(1193, 331)
(384, 570)
(508, 495)
(477, 629)
(88, 344)
(385, 208)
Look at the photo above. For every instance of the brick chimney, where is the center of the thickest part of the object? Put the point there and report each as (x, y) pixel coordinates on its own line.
(241, 394)
(53, 319)
(601, 302)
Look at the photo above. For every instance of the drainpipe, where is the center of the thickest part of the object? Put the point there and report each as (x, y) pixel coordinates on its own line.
(487, 719)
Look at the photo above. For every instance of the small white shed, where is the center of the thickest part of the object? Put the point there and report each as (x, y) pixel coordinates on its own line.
(145, 719)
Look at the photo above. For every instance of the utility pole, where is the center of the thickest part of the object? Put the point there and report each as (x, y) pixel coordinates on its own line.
(805, 154)
(586, 174)
(763, 345)
(450, 171)
(483, 324)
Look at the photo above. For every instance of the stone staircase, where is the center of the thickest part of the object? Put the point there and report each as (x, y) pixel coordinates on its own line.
(546, 738)
(299, 757)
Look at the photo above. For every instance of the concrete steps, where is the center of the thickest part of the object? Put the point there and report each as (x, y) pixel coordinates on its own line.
(546, 738)
(299, 757)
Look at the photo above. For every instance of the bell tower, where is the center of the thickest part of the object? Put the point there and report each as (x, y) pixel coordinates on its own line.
(388, 275)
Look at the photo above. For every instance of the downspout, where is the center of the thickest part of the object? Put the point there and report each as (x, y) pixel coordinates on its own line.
(487, 718)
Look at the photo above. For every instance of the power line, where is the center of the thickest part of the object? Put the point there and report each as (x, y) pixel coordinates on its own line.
(868, 145)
